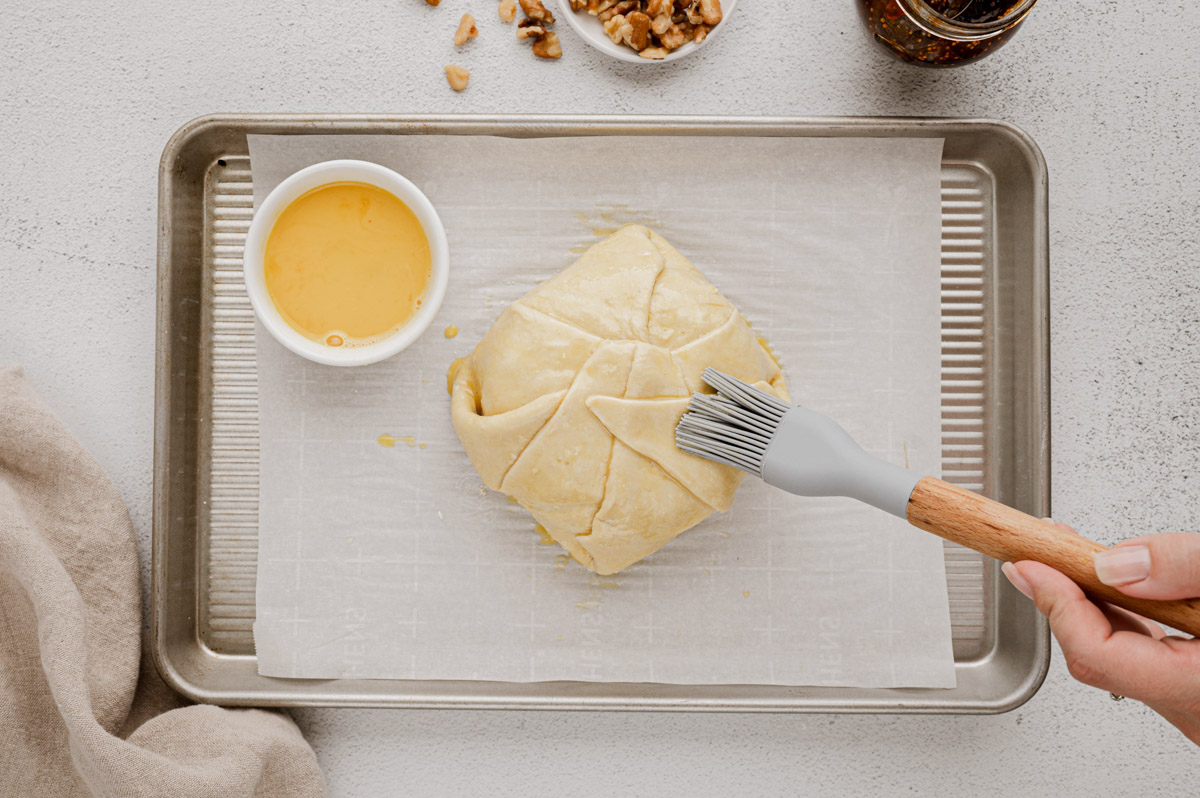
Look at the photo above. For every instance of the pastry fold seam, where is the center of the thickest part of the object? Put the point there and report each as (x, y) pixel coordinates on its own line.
(612, 445)
(566, 392)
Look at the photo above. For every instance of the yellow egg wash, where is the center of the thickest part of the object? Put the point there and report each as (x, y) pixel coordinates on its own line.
(347, 264)
(390, 441)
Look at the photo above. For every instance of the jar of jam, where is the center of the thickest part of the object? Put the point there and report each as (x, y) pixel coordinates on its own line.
(943, 33)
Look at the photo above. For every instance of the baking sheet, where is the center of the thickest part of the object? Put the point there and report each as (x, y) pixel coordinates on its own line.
(394, 562)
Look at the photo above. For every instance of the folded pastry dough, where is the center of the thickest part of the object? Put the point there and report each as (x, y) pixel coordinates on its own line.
(569, 403)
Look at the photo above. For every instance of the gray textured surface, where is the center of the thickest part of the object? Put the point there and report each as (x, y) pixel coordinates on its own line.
(92, 91)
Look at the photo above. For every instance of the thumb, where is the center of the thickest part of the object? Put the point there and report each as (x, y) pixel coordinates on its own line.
(1160, 567)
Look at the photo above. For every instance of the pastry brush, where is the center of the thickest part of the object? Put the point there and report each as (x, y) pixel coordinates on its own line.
(808, 454)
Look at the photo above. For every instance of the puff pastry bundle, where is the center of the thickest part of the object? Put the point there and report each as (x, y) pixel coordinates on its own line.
(569, 403)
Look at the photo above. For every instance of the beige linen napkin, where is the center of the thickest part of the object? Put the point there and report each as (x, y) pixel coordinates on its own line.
(70, 642)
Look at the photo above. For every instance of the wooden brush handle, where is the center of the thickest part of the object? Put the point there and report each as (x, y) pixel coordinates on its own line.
(1010, 535)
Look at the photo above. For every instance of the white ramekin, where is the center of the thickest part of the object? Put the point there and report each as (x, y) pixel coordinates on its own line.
(591, 30)
(344, 172)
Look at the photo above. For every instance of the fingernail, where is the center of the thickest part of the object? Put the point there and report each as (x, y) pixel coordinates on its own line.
(1017, 580)
(1123, 565)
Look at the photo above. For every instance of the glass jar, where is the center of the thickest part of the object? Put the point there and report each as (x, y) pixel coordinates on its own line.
(943, 33)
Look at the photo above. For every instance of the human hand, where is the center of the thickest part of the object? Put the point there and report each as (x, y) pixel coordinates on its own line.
(1114, 649)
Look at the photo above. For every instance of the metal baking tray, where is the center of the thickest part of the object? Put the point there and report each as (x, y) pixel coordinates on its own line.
(995, 414)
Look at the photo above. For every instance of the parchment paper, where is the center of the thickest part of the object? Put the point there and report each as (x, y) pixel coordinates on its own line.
(396, 562)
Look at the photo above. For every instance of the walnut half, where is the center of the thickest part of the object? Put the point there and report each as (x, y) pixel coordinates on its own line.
(548, 46)
(457, 77)
(639, 35)
(711, 11)
(535, 10)
(466, 30)
(530, 29)
(536, 26)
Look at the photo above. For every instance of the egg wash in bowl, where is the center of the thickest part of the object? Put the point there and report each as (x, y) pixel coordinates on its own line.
(347, 264)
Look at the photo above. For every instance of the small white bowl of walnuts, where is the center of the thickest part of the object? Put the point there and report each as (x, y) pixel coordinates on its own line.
(646, 31)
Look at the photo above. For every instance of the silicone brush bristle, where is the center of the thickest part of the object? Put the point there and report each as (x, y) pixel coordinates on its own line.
(734, 427)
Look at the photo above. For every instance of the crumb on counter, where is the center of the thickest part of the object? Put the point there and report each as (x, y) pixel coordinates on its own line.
(466, 30)
(508, 10)
(451, 331)
(457, 77)
(433, 2)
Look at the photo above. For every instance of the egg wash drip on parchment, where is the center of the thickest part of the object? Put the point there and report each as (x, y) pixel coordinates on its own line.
(389, 441)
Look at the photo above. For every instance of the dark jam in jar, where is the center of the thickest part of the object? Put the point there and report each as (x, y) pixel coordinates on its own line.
(973, 11)
(943, 33)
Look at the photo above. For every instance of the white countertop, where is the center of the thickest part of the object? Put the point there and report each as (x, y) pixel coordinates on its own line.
(92, 91)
